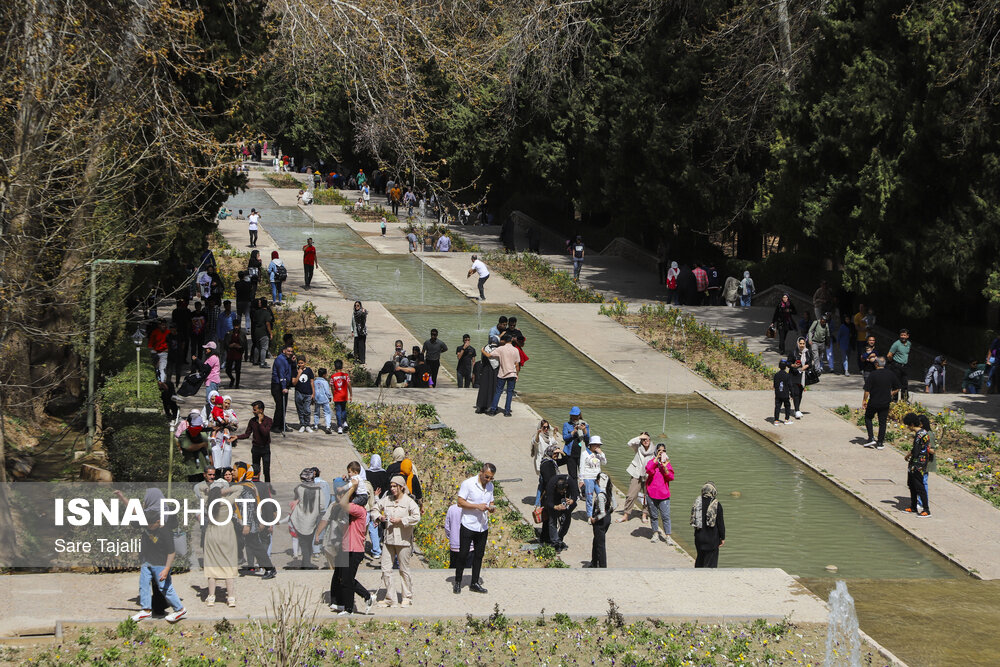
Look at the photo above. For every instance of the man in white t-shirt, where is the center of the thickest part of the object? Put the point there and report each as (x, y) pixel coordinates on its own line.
(252, 221)
(475, 497)
(484, 274)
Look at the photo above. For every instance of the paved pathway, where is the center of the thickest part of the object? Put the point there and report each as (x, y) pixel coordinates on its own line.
(726, 595)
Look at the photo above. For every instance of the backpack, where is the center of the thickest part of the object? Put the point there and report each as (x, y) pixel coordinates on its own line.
(280, 274)
(198, 323)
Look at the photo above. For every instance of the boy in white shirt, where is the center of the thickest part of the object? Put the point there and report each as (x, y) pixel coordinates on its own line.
(591, 459)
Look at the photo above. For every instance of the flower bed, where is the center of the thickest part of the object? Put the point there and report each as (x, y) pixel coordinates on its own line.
(369, 213)
(537, 277)
(329, 197)
(495, 639)
(283, 180)
(435, 231)
(442, 464)
(721, 359)
(970, 460)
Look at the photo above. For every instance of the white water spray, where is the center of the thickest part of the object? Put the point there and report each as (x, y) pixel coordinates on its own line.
(843, 640)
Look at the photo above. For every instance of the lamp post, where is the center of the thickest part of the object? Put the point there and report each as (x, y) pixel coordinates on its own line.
(137, 340)
(93, 338)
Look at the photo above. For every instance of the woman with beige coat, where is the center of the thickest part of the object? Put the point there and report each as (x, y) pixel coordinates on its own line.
(642, 446)
(400, 513)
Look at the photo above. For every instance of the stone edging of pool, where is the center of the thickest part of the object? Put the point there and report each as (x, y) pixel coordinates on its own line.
(841, 485)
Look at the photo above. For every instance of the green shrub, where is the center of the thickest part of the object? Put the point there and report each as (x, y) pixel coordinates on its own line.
(118, 391)
(283, 180)
(329, 197)
(137, 448)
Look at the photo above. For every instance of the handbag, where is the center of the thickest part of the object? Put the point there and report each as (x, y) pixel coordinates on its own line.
(538, 514)
(812, 376)
(771, 333)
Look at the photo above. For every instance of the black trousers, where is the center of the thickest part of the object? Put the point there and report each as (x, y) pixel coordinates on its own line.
(280, 403)
(482, 294)
(918, 491)
(308, 270)
(783, 330)
(395, 210)
(797, 390)
(344, 584)
(454, 558)
(261, 457)
(388, 369)
(780, 402)
(253, 238)
(883, 417)
(359, 348)
(558, 525)
(477, 540)
(598, 553)
(464, 378)
(707, 558)
(234, 366)
(306, 547)
(899, 370)
(435, 366)
(256, 548)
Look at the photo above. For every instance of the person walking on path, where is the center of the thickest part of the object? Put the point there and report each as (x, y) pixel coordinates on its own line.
(322, 402)
(253, 222)
(700, 284)
(281, 381)
(342, 390)
(213, 372)
(305, 392)
(359, 331)
(561, 494)
(898, 359)
(782, 392)
(276, 275)
(540, 443)
(509, 359)
(591, 459)
(659, 474)
(709, 526)
(307, 508)
(643, 450)
(747, 290)
(308, 261)
(917, 460)
(604, 505)
(479, 268)
(860, 326)
(881, 387)
(844, 340)
(221, 548)
(379, 479)
(466, 354)
(262, 329)
(935, 378)
(972, 383)
(159, 349)
(244, 295)
(259, 432)
(475, 497)
(432, 350)
(400, 514)
(673, 294)
(156, 555)
(820, 341)
(344, 547)
(234, 343)
(254, 268)
(783, 320)
(823, 300)
(577, 251)
(800, 362)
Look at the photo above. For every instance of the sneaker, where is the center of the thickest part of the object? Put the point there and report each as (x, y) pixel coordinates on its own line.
(909, 510)
(385, 604)
(210, 601)
(670, 542)
(778, 422)
(880, 446)
(343, 612)
(923, 514)
(407, 602)
(271, 574)
(176, 616)
(259, 572)
(336, 607)
(870, 444)
(846, 374)
(310, 429)
(655, 538)
(368, 605)
(302, 429)
(340, 430)
(789, 422)
(798, 414)
(142, 616)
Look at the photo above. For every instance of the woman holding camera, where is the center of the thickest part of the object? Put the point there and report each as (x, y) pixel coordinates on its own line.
(659, 474)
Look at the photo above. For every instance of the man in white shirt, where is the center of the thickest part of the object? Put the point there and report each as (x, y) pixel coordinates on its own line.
(252, 221)
(475, 497)
(444, 243)
(484, 274)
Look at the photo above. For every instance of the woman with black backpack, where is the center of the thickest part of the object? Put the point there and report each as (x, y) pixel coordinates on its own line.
(276, 275)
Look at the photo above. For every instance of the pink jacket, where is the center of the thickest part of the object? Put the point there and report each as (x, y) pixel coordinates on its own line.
(214, 374)
(658, 486)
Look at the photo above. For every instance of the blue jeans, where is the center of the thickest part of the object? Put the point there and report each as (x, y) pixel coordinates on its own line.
(745, 300)
(341, 407)
(577, 265)
(209, 388)
(148, 573)
(373, 533)
(659, 509)
(275, 293)
(589, 486)
(325, 409)
(509, 382)
(927, 490)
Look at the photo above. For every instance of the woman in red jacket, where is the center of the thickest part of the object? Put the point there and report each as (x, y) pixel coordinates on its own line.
(659, 474)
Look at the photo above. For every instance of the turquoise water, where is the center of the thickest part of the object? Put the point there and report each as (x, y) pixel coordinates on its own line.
(553, 366)
(785, 516)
